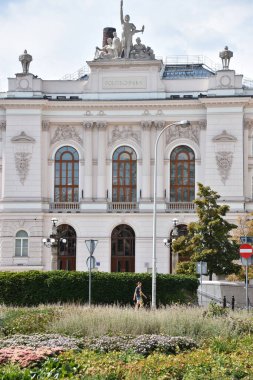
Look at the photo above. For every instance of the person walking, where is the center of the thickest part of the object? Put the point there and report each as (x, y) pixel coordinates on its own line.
(138, 296)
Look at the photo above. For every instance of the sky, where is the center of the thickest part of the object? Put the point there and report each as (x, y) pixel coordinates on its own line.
(61, 35)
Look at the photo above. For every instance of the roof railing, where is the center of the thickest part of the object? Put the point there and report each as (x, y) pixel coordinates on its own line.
(192, 59)
(85, 70)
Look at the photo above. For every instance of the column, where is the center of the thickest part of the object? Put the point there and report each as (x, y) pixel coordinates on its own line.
(47, 184)
(54, 257)
(2, 139)
(87, 183)
(159, 125)
(146, 128)
(101, 173)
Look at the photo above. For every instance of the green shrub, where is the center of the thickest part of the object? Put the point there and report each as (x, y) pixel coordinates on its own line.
(186, 267)
(34, 288)
(214, 310)
(23, 322)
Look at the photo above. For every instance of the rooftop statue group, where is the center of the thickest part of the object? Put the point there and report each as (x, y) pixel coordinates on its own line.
(124, 48)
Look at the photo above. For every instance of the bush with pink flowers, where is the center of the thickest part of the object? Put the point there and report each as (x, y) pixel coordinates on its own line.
(26, 356)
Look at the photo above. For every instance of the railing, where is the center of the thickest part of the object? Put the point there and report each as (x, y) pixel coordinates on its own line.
(192, 59)
(248, 83)
(180, 206)
(85, 70)
(122, 207)
(64, 206)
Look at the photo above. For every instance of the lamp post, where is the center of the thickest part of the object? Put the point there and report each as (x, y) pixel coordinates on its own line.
(183, 123)
(173, 236)
(53, 238)
(52, 241)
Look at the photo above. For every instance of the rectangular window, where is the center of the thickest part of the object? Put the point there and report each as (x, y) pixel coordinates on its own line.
(21, 247)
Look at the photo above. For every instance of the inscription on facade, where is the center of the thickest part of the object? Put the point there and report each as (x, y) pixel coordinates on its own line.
(125, 83)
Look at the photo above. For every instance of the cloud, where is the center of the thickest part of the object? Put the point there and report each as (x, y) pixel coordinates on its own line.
(61, 35)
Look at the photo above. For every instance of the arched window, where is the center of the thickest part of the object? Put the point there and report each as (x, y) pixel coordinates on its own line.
(123, 249)
(182, 174)
(21, 243)
(124, 171)
(66, 175)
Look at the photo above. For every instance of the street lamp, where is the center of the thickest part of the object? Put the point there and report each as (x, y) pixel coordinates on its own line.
(173, 236)
(53, 239)
(174, 233)
(183, 123)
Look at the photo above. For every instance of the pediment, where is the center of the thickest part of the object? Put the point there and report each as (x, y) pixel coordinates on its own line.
(23, 138)
(224, 137)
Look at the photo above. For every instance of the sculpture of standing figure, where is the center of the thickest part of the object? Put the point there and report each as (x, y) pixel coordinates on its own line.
(128, 30)
(116, 43)
(225, 56)
(25, 60)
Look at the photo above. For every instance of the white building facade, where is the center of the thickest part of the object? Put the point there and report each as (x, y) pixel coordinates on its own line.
(82, 151)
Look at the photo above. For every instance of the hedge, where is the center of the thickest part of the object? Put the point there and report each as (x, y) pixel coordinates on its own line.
(33, 287)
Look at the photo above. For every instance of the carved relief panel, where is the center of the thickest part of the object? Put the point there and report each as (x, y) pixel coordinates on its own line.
(66, 133)
(23, 147)
(124, 133)
(191, 132)
(224, 152)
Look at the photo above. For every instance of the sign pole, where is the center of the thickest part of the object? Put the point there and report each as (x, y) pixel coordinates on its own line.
(247, 288)
(201, 283)
(91, 245)
(201, 268)
(246, 252)
(90, 281)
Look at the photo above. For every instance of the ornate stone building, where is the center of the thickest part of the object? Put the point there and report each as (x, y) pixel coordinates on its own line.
(82, 151)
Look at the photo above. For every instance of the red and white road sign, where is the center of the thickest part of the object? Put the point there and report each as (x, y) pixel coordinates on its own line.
(246, 251)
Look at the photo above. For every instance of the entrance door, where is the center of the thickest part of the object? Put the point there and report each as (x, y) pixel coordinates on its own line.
(123, 249)
(66, 259)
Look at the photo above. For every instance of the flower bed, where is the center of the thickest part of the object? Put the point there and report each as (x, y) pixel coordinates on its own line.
(142, 344)
(42, 340)
(25, 356)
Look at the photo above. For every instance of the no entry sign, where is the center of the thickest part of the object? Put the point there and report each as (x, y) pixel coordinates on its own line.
(246, 251)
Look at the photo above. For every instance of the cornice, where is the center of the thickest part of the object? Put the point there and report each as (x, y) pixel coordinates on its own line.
(124, 63)
(221, 102)
(100, 106)
(22, 103)
(144, 105)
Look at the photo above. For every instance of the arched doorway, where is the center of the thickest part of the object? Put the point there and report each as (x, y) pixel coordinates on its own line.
(123, 249)
(181, 231)
(66, 252)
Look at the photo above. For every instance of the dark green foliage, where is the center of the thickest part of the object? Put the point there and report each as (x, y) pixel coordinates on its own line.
(209, 238)
(33, 288)
(20, 321)
(187, 267)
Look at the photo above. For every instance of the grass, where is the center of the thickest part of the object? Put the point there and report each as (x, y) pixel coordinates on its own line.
(224, 337)
(83, 321)
(173, 321)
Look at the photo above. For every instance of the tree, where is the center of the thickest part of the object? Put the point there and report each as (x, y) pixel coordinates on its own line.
(244, 227)
(209, 238)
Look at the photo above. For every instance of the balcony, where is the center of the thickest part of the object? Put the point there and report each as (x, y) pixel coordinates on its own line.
(122, 207)
(180, 207)
(64, 207)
